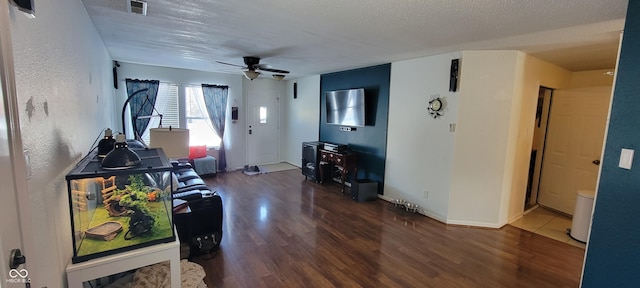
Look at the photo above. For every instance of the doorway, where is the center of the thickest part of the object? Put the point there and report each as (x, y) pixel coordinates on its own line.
(263, 117)
(573, 145)
(545, 95)
(14, 212)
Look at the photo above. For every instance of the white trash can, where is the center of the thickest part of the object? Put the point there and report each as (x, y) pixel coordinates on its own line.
(582, 215)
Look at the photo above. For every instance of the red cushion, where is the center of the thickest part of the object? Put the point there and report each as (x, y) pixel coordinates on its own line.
(197, 152)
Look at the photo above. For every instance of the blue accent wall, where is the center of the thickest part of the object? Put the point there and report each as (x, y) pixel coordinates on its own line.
(613, 255)
(369, 142)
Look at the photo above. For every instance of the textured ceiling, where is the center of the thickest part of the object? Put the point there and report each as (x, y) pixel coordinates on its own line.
(316, 37)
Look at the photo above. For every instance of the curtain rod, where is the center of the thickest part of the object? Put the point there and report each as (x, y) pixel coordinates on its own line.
(183, 84)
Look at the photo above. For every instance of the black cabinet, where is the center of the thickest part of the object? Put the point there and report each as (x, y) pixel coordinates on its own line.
(311, 160)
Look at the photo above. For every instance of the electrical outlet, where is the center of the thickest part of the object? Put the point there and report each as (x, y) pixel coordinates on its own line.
(426, 194)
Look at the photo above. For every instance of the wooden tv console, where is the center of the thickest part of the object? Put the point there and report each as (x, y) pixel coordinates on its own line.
(345, 162)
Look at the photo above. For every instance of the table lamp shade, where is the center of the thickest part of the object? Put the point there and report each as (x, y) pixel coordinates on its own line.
(173, 141)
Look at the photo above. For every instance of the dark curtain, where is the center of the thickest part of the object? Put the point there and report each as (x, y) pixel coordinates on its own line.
(142, 104)
(215, 98)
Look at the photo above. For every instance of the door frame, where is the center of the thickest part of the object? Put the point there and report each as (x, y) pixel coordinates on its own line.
(17, 160)
(270, 92)
(537, 172)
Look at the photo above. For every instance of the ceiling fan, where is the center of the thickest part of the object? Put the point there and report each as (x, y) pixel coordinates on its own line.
(253, 68)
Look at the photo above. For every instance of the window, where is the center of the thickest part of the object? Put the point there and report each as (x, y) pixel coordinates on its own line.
(201, 131)
(263, 115)
(167, 105)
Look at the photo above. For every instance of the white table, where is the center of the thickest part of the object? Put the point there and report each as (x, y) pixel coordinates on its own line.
(125, 261)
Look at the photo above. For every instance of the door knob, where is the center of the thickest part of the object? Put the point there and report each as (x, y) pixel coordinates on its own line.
(16, 259)
(596, 162)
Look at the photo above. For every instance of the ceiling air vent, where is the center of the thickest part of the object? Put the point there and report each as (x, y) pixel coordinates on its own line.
(137, 7)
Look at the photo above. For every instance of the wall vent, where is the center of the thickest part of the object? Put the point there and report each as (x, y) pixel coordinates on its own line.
(137, 7)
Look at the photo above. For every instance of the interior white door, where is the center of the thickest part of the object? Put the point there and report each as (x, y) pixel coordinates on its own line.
(10, 232)
(574, 145)
(262, 131)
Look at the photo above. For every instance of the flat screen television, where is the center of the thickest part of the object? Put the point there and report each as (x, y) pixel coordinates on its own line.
(346, 107)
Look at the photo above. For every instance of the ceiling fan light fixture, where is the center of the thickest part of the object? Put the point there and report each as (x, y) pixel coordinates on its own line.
(278, 77)
(251, 74)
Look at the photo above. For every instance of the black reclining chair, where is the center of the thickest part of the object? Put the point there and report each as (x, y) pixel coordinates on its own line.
(201, 227)
(189, 185)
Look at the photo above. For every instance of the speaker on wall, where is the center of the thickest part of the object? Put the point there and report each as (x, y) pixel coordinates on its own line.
(115, 74)
(25, 6)
(453, 76)
(295, 90)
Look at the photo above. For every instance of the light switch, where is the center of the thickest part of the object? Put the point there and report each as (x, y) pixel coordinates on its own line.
(626, 159)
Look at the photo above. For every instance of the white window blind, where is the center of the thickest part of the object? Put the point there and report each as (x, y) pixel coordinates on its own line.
(167, 105)
(201, 131)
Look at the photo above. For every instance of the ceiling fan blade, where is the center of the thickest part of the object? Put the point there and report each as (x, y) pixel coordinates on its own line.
(273, 70)
(231, 64)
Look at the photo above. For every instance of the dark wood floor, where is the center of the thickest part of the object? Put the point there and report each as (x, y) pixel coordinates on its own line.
(281, 230)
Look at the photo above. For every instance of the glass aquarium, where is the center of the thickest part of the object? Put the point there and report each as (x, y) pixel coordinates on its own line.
(113, 211)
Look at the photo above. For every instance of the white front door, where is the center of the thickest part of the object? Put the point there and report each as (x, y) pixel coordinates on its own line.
(574, 145)
(10, 230)
(262, 120)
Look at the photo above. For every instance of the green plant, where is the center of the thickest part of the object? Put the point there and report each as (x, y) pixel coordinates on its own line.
(137, 201)
(133, 197)
(141, 221)
(136, 183)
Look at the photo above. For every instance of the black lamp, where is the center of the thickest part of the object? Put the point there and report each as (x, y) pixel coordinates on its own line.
(121, 157)
(133, 121)
(106, 144)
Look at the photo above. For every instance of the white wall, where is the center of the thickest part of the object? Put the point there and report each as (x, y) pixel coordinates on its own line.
(234, 137)
(420, 149)
(300, 118)
(65, 96)
(477, 175)
(484, 116)
(592, 78)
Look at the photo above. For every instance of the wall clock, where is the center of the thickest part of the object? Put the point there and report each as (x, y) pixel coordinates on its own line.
(436, 107)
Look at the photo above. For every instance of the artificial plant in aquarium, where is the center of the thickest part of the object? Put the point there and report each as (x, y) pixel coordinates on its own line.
(132, 201)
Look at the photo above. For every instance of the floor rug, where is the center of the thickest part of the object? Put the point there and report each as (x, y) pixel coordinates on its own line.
(282, 166)
(268, 168)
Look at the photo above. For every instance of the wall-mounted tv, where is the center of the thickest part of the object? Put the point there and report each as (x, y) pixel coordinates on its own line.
(346, 107)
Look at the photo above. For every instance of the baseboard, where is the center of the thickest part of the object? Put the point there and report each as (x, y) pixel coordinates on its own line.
(444, 220)
(520, 215)
(422, 212)
(516, 218)
(475, 224)
(297, 165)
(385, 198)
(531, 209)
(434, 216)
